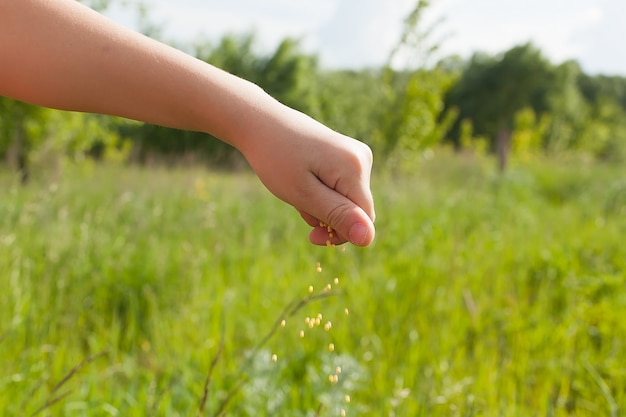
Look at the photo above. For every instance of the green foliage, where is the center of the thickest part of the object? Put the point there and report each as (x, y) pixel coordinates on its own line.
(48, 138)
(492, 90)
(499, 296)
(412, 118)
(350, 101)
(604, 132)
(528, 133)
(291, 77)
(415, 119)
(287, 74)
(556, 109)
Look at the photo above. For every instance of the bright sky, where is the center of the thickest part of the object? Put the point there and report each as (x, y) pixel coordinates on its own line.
(357, 33)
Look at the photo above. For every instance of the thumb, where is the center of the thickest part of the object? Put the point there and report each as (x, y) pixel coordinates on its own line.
(347, 221)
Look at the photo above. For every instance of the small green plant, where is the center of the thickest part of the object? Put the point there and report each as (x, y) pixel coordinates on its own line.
(259, 372)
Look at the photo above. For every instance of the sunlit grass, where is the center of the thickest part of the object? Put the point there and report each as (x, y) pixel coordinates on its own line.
(482, 295)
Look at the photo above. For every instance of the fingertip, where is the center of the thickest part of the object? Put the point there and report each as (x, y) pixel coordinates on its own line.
(361, 234)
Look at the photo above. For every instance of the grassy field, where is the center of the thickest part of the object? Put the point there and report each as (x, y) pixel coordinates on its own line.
(126, 290)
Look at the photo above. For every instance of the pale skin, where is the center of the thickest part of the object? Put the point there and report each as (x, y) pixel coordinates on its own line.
(60, 54)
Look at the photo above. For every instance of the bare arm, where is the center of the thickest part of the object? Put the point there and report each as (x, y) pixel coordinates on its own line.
(60, 54)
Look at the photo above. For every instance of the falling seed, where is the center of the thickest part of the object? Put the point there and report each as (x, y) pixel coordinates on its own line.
(342, 413)
(319, 267)
(327, 288)
(307, 320)
(327, 326)
(283, 323)
(347, 398)
(343, 248)
(331, 378)
(319, 316)
(331, 347)
(346, 312)
(274, 358)
(310, 289)
(338, 370)
(318, 321)
(331, 235)
(329, 243)
(336, 281)
(311, 324)
(301, 334)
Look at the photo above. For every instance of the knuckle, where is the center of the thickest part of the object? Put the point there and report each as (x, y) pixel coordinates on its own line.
(338, 215)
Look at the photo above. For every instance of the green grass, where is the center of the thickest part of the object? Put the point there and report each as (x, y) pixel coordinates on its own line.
(481, 296)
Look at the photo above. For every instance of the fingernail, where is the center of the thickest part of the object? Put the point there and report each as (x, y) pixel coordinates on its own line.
(358, 234)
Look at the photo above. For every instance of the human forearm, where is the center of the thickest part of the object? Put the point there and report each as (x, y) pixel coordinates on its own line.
(60, 54)
(82, 61)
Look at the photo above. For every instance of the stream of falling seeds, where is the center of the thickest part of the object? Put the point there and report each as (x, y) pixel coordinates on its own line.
(333, 378)
(318, 320)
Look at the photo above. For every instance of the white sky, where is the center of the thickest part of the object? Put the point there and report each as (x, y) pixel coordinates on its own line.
(357, 33)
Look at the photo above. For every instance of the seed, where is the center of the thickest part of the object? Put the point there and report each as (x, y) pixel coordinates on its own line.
(327, 326)
(318, 321)
(336, 281)
(319, 316)
(346, 312)
(283, 323)
(329, 243)
(330, 229)
(274, 358)
(342, 413)
(301, 334)
(347, 398)
(318, 267)
(331, 235)
(338, 370)
(327, 288)
(310, 289)
(331, 347)
(307, 320)
(311, 324)
(343, 248)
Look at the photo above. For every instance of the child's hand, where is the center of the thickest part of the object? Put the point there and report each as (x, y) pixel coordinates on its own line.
(323, 174)
(94, 65)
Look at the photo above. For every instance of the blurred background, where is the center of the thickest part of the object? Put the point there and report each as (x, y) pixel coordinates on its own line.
(146, 271)
(401, 76)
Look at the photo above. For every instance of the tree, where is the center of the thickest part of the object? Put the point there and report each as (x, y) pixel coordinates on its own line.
(567, 108)
(350, 101)
(492, 90)
(413, 116)
(603, 132)
(15, 143)
(25, 129)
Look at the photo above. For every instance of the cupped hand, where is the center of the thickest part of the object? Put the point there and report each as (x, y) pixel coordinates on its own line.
(323, 174)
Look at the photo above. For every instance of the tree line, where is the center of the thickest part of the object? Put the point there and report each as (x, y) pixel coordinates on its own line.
(514, 103)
